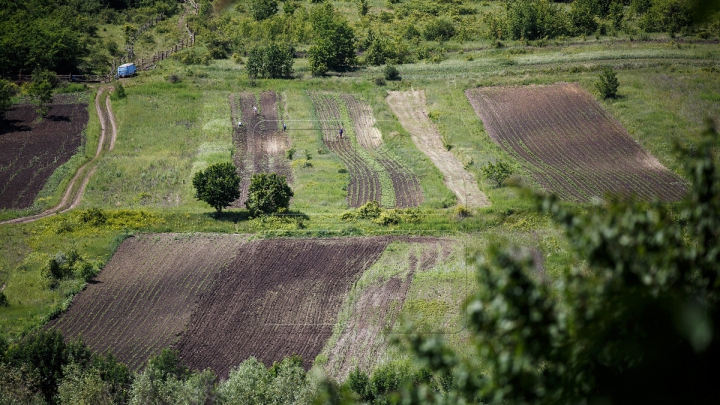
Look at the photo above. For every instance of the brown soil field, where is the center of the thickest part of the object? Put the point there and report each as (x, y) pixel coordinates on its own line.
(260, 143)
(570, 144)
(31, 150)
(276, 298)
(410, 108)
(146, 294)
(219, 298)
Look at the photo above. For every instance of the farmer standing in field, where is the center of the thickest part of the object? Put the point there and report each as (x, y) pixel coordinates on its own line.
(255, 110)
(341, 131)
(239, 124)
(284, 127)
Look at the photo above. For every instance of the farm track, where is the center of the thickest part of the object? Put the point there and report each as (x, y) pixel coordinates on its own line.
(76, 187)
(570, 145)
(259, 143)
(409, 107)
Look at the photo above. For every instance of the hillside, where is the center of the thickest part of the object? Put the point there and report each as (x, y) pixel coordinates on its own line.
(386, 118)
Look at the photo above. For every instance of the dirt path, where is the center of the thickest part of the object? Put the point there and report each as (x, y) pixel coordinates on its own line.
(409, 107)
(86, 170)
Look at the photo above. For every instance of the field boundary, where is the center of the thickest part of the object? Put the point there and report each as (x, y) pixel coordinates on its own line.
(86, 170)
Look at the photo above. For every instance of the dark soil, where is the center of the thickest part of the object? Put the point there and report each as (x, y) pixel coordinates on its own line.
(31, 150)
(570, 144)
(277, 298)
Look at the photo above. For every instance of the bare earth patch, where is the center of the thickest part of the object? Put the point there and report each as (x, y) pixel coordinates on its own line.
(409, 107)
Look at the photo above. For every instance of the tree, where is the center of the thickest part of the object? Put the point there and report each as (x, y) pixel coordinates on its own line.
(498, 172)
(40, 90)
(272, 61)
(391, 73)
(637, 324)
(268, 193)
(218, 185)
(607, 83)
(263, 9)
(7, 91)
(334, 45)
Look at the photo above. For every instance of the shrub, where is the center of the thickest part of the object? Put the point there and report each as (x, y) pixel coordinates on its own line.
(94, 217)
(391, 73)
(268, 193)
(607, 83)
(263, 9)
(218, 185)
(439, 29)
(290, 153)
(462, 211)
(7, 91)
(3, 300)
(119, 92)
(498, 172)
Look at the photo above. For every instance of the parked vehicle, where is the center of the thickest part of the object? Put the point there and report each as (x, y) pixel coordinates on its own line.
(126, 70)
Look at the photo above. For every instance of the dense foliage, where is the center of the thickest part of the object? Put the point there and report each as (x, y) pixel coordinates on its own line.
(272, 61)
(268, 193)
(334, 44)
(497, 172)
(7, 91)
(218, 185)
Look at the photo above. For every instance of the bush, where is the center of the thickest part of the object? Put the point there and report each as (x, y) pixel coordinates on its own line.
(439, 29)
(290, 153)
(7, 91)
(268, 194)
(391, 73)
(334, 46)
(263, 9)
(607, 83)
(218, 185)
(119, 92)
(3, 300)
(498, 172)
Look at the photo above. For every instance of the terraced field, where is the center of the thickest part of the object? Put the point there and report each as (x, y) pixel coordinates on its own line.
(570, 145)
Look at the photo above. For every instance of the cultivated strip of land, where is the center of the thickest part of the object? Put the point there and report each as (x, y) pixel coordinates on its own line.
(409, 107)
(570, 145)
(76, 188)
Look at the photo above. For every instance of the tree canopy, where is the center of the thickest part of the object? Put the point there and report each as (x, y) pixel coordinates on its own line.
(218, 185)
(334, 41)
(268, 193)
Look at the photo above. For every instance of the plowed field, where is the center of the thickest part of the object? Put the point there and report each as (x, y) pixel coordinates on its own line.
(259, 143)
(30, 151)
(219, 298)
(570, 145)
(375, 175)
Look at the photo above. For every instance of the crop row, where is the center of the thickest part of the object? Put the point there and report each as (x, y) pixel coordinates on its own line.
(405, 184)
(570, 144)
(143, 299)
(364, 182)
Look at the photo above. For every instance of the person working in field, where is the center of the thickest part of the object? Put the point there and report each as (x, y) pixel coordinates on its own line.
(341, 132)
(239, 124)
(255, 109)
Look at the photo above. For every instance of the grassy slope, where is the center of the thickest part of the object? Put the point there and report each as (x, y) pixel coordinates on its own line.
(168, 131)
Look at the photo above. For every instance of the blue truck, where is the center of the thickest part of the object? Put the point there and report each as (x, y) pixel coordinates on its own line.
(126, 70)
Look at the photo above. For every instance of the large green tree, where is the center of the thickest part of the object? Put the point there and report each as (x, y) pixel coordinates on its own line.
(334, 41)
(218, 185)
(7, 91)
(268, 193)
